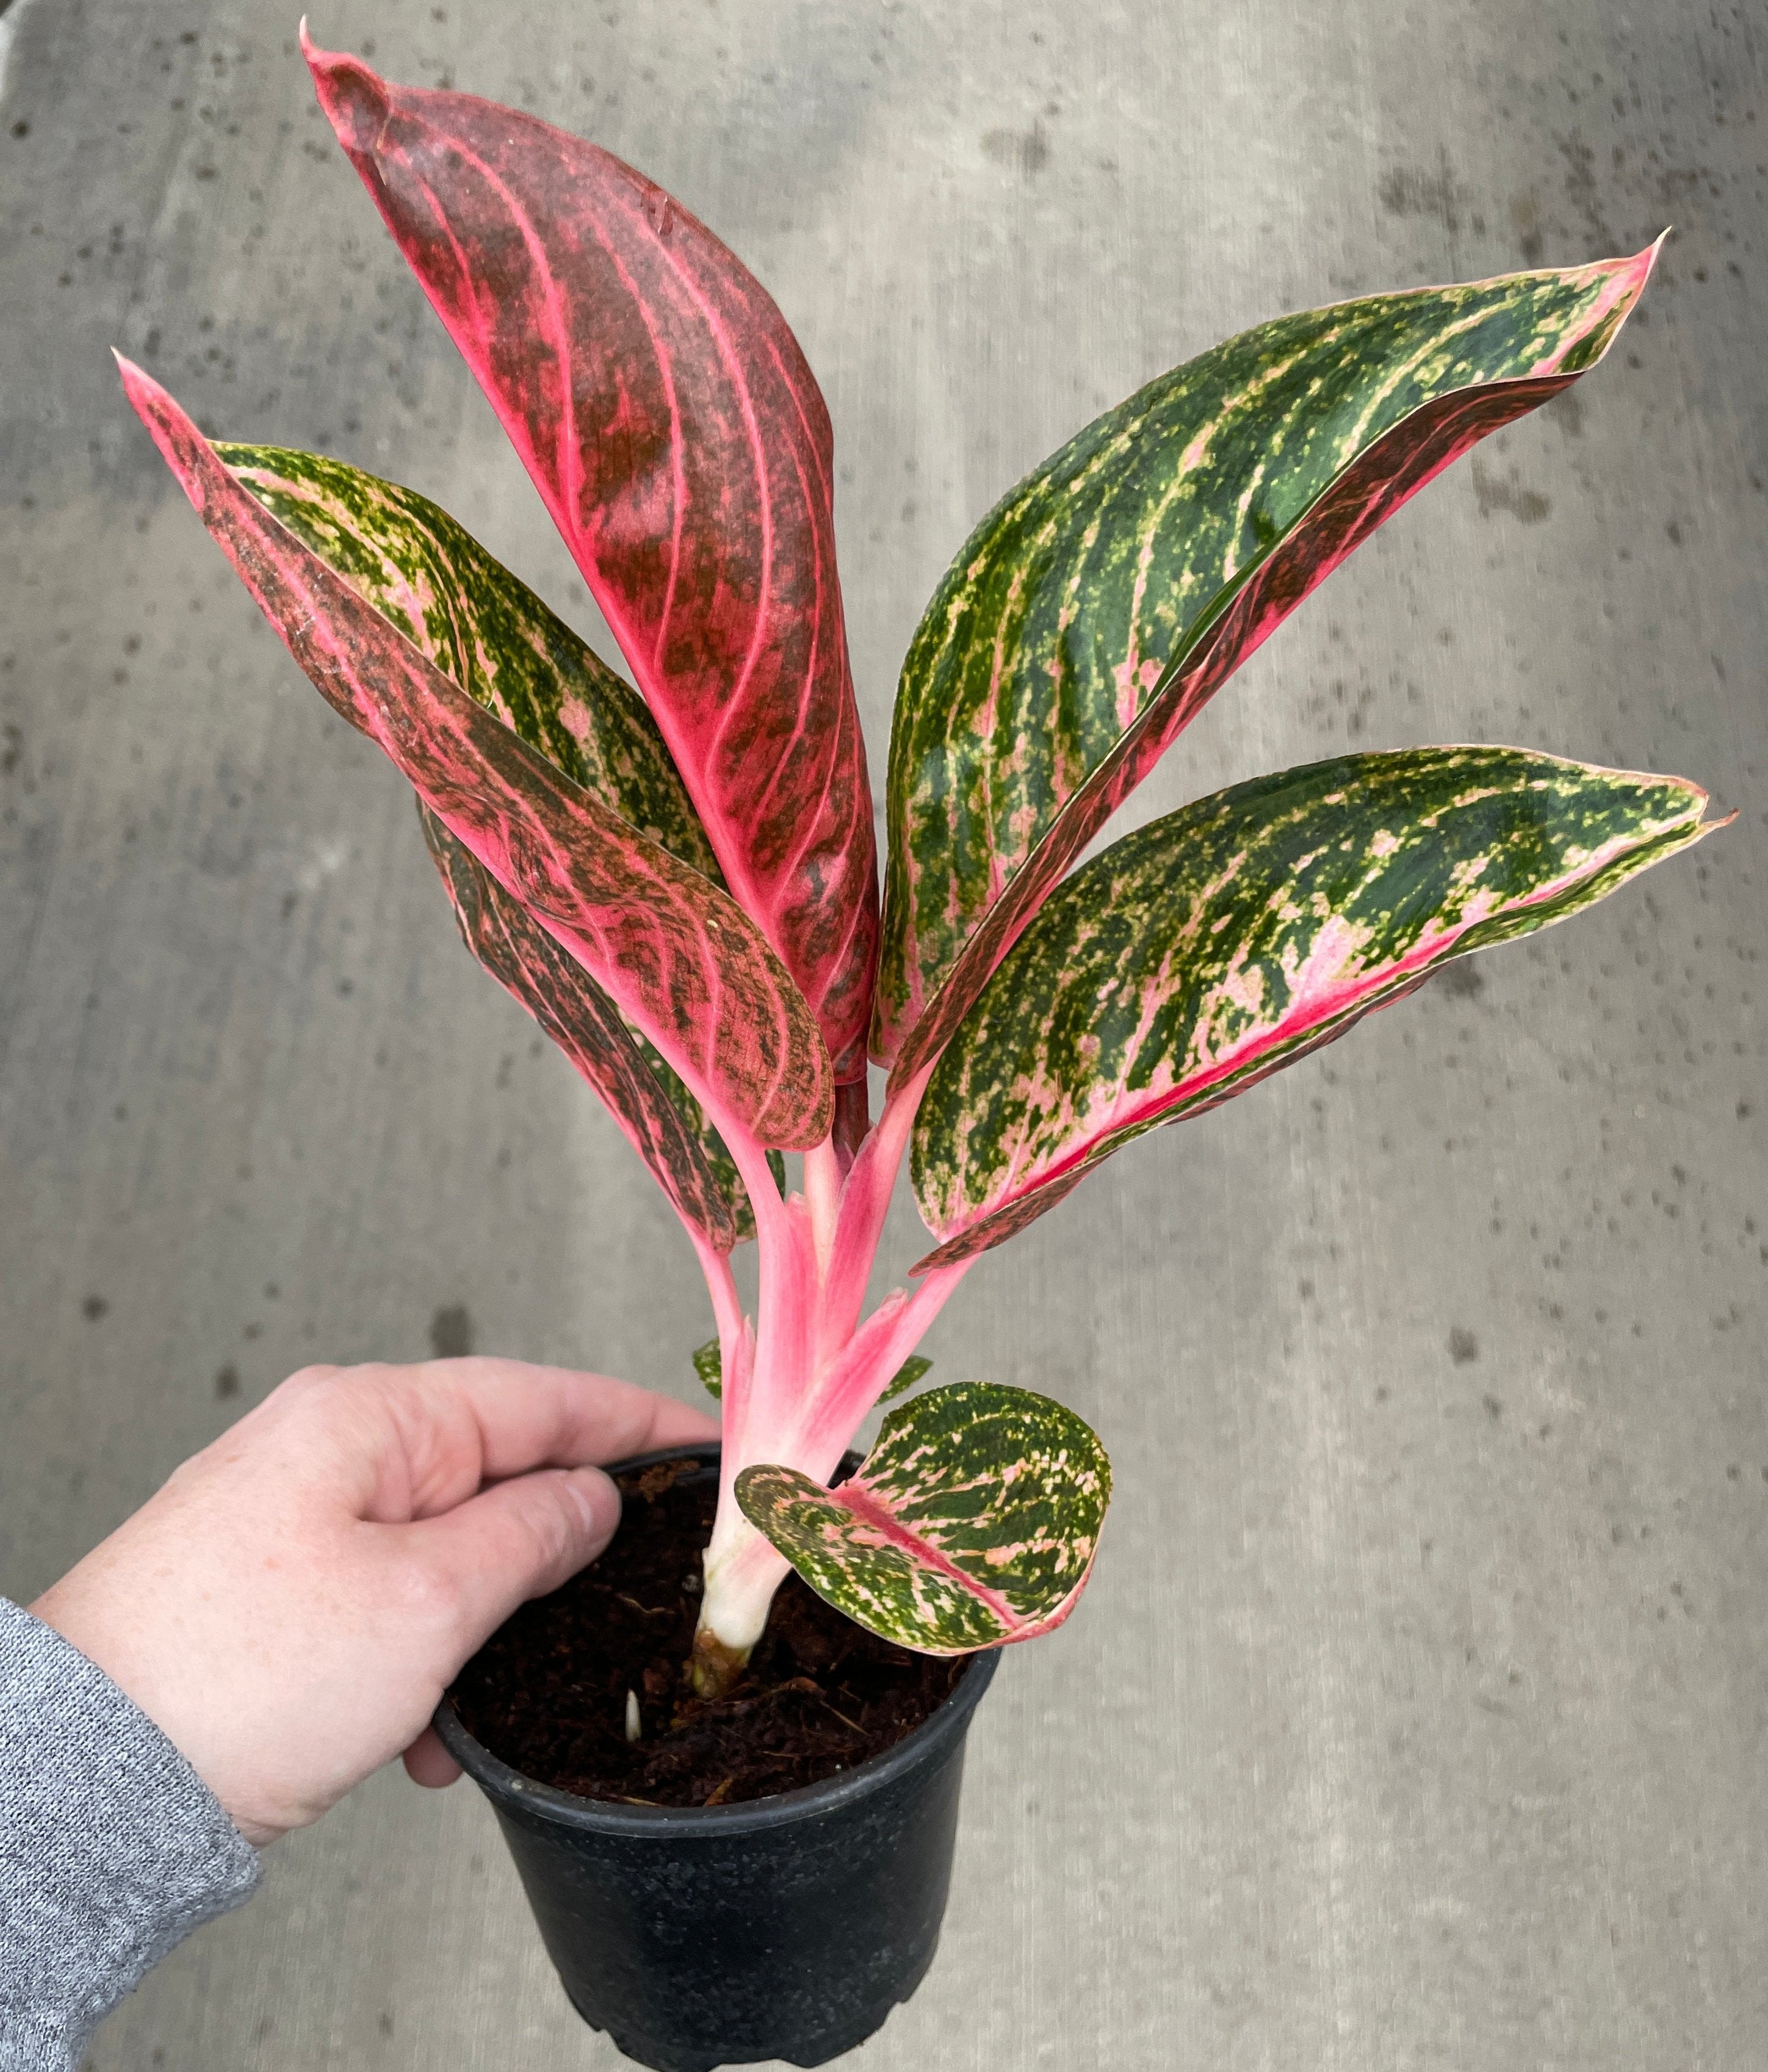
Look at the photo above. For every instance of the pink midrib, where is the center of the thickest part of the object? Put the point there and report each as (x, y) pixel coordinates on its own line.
(561, 481)
(560, 487)
(857, 1497)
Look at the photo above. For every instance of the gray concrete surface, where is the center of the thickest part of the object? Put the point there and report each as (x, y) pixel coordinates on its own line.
(1416, 1718)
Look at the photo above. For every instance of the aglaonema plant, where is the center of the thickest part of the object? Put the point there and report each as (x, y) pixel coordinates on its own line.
(676, 877)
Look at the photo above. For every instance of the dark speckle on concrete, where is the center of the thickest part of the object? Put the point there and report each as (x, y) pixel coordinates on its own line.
(1567, 411)
(1410, 191)
(451, 1332)
(1528, 507)
(1026, 150)
(1463, 1346)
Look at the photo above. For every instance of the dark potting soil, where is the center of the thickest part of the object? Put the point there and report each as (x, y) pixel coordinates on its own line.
(547, 1692)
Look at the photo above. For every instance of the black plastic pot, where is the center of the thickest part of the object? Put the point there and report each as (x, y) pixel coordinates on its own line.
(786, 1927)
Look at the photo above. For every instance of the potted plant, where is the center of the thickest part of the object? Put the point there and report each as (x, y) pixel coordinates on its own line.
(676, 876)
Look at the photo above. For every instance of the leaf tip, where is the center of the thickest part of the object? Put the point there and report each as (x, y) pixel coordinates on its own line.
(151, 403)
(1635, 272)
(354, 98)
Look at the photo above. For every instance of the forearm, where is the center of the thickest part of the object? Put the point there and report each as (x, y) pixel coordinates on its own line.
(111, 1847)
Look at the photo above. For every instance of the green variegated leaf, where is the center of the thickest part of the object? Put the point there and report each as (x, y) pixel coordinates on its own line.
(465, 611)
(1095, 611)
(972, 1522)
(709, 1364)
(916, 1367)
(676, 955)
(1207, 949)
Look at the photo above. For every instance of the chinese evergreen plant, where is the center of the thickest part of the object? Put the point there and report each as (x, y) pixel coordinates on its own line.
(676, 877)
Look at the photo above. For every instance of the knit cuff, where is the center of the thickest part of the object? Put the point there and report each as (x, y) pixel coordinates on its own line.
(111, 1847)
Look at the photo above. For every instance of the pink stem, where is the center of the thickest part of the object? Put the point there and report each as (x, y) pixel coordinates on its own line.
(864, 1202)
(822, 1179)
(742, 1570)
(845, 1390)
(721, 1286)
(798, 1384)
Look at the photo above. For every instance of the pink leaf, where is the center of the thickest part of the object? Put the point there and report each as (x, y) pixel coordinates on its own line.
(668, 418)
(679, 958)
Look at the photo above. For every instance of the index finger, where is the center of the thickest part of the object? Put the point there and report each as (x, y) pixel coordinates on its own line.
(459, 1423)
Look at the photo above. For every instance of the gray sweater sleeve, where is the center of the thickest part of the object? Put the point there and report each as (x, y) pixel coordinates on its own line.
(111, 1847)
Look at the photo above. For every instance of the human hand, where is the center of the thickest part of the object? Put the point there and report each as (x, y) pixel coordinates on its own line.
(290, 1606)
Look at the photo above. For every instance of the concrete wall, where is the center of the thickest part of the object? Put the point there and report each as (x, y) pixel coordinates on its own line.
(1416, 1716)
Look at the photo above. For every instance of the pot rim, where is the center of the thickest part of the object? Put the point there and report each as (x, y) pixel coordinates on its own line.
(501, 1782)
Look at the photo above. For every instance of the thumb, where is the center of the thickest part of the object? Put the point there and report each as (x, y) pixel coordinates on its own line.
(516, 1540)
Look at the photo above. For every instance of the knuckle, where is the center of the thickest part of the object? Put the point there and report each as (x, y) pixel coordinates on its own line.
(303, 1385)
(318, 1375)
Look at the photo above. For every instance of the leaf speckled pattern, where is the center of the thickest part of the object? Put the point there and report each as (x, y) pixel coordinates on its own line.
(973, 1521)
(1205, 951)
(669, 418)
(587, 1026)
(680, 959)
(675, 874)
(1098, 607)
(482, 627)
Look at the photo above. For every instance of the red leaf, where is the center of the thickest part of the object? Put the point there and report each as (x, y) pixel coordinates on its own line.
(680, 959)
(668, 418)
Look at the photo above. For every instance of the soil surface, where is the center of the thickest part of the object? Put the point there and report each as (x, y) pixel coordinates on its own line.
(548, 1691)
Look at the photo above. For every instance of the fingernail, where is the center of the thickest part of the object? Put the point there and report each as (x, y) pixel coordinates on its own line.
(600, 1503)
